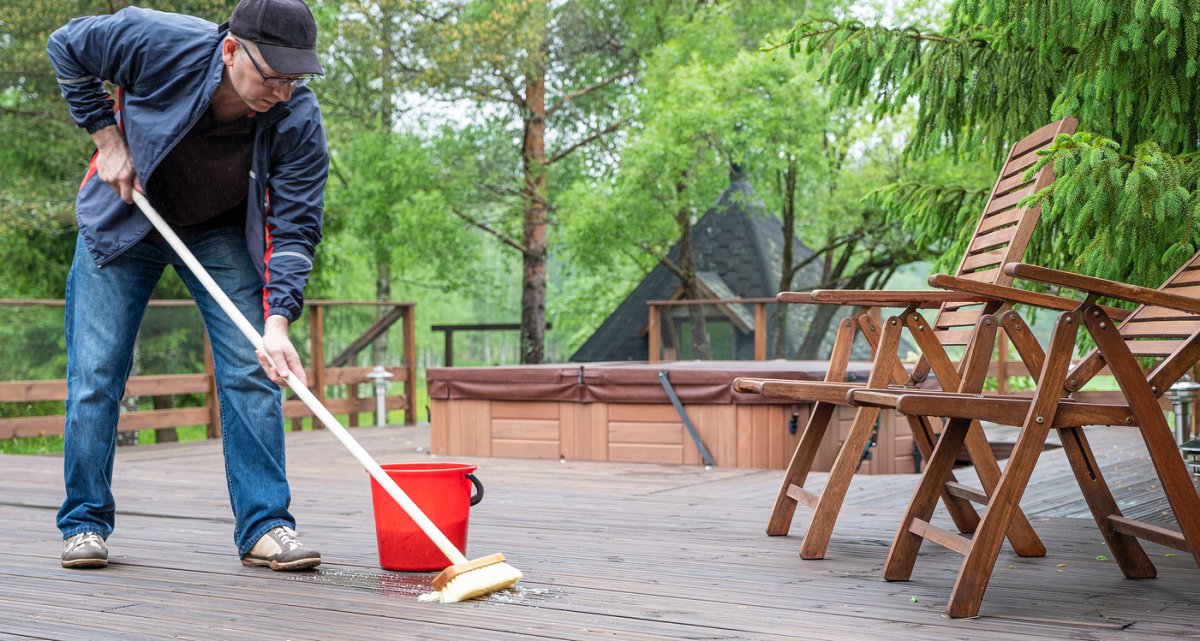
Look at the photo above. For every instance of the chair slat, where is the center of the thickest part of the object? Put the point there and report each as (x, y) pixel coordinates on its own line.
(1040, 138)
(1183, 289)
(992, 239)
(953, 336)
(1188, 277)
(1011, 183)
(1145, 314)
(983, 259)
(956, 319)
(1017, 166)
(988, 276)
(1153, 348)
(1002, 219)
(1163, 329)
(955, 307)
(1007, 201)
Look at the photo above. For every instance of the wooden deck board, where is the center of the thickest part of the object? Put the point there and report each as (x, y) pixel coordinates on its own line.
(609, 550)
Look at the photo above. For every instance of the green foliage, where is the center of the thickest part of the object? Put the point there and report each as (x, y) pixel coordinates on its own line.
(392, 194)
(1124, 204)
(1133, 216)
(708, 101)
(947, 215)
(677, 161)
(958, 80)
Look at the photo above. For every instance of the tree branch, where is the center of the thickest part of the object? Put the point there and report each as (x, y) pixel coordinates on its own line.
(504, 238)
(499, 190)
(836, 243)
(594, 136)
(510, 85)
(562, 102)
(335, 168)
(672, 267)
(661, 258)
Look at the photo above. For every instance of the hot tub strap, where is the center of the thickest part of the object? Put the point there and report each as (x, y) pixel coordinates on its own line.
(687, 422)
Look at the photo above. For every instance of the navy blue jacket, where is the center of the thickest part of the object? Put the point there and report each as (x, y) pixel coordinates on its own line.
(168, 66)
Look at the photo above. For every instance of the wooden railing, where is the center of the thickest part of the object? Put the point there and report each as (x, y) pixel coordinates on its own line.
(320, 376)
(448, 343)
(657, 307)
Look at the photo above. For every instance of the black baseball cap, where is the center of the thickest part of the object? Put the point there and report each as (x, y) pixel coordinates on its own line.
(284, 31)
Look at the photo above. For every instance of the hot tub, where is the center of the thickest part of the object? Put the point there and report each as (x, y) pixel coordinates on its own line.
(620, 412)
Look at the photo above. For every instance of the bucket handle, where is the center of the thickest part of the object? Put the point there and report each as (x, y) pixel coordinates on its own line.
(478, 495)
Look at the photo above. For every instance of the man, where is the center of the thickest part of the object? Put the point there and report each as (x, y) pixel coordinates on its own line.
(217, 125)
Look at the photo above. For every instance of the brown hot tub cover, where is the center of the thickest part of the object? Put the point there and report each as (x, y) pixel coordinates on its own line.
(622, 382)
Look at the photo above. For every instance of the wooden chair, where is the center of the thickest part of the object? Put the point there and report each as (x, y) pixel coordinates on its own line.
(1164, 332)
(1001, 235)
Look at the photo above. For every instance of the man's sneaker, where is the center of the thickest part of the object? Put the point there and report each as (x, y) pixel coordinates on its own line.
(84, 550)
(281, 550)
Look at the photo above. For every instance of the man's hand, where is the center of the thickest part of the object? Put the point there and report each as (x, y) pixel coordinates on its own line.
(114, 163)
(277, 344)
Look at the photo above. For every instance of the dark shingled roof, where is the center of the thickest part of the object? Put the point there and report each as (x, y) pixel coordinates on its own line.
(736, 240)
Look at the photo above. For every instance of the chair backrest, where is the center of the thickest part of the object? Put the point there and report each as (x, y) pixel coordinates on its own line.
(1004, 229)
(1166, 340)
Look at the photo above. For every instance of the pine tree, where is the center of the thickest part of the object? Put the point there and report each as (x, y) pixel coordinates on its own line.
(1128, 190)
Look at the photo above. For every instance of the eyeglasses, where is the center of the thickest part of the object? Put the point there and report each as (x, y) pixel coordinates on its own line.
(273, 82)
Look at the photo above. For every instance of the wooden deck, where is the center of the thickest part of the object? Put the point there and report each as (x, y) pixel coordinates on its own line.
(610, 551)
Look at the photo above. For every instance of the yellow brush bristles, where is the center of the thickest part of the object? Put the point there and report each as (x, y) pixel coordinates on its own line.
(474, 582)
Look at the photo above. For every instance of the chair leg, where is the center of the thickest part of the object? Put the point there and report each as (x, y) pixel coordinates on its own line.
(1003, 503)
(801, 464)
(1174, 475)
(1021, 535)
(825, 512)
(1160, 443)
(961, 510)
(976, 569)
(1130, 556)
(903, 554)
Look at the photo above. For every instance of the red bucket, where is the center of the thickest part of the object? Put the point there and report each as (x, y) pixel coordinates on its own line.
(443, 492)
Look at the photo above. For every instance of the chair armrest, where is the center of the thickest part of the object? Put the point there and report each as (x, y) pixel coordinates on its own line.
(1015, 295)
(880, 298)
(1102, 287)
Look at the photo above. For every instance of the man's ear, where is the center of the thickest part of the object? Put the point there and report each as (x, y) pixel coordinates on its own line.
(229, 47)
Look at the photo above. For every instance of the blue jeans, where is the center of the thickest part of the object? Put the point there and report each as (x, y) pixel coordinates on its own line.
(104, 307)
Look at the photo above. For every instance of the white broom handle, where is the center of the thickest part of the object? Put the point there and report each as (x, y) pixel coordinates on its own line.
(301, 391)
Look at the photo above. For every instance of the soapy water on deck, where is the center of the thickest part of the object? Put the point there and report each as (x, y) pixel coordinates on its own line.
(410, 585)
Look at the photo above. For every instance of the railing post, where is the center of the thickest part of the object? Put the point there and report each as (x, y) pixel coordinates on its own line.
(448, 355)
(760, 332)
(316, 368)
(654, 332)
(316, 338)
(214, 404)
(410, 365)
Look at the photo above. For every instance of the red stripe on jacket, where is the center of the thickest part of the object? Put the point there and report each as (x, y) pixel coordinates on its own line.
(267, 260)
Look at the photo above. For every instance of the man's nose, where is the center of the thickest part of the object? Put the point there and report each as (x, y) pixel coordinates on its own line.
(284, 92)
